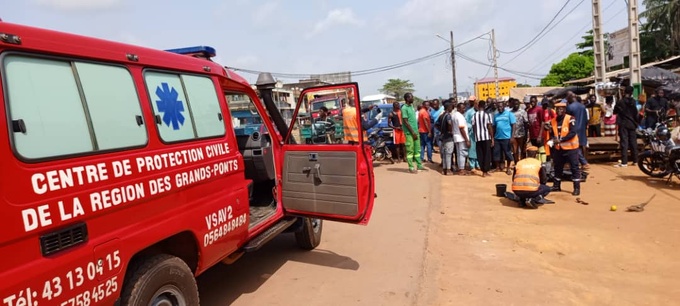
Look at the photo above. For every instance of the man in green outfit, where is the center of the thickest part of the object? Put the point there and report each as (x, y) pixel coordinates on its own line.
(410, 124)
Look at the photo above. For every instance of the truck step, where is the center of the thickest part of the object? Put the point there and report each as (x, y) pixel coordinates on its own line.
(268, 235)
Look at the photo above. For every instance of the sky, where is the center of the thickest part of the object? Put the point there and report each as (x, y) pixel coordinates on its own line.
(325, 36)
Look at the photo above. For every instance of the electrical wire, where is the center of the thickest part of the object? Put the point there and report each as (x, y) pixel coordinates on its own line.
(519, 73)
(353, 73)
(539, 33)
(366, 71)
(579, 32)
(567, 42)
(546, 33)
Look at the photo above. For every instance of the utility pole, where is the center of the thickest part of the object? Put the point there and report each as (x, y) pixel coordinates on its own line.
(453, 69)
(495, 63)
(634, 57)
(598, 43)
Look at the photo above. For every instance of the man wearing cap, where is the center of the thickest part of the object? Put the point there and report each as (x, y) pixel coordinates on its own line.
(564, 141)
(529, 180)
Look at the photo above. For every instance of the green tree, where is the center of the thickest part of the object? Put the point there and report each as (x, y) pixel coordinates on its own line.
(397, 88)
(586, 46)
(575, 66)
(661, 29)
(524, 85)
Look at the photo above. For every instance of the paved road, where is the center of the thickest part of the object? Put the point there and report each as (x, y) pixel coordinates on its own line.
(380, 264)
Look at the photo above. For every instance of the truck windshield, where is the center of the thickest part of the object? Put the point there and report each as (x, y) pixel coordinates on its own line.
(330, 104)
(384, 108)
(368, 103)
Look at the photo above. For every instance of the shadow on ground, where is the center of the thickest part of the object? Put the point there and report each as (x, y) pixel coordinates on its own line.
(657, 183)
(251, 271)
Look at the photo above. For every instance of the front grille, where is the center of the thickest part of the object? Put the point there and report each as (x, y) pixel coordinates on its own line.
(63, 239)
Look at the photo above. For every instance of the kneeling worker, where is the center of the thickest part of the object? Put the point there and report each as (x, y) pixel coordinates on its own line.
(529, 180)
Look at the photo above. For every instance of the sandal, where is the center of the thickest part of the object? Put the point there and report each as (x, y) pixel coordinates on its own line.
(508, 172)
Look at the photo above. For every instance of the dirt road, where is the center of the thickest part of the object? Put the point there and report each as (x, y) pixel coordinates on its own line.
(378, 264)
(484, 250)
(437, 240)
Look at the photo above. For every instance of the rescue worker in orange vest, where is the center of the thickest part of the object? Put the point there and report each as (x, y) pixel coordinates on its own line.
(564, 142)
(529, 180)
(349, 122)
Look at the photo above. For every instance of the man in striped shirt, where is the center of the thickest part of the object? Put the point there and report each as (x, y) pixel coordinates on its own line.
(482, 125)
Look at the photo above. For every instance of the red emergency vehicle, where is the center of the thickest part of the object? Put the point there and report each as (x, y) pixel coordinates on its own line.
(124, 175)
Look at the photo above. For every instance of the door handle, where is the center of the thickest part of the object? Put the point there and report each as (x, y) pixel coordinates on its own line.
(317, 172)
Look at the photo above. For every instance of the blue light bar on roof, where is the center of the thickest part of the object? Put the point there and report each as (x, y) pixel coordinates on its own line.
(198, 51)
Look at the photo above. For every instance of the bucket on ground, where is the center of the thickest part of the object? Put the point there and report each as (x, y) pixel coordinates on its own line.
(500, 190)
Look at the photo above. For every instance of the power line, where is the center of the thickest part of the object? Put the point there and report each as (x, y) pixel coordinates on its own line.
(539, 33)
(519, 73)
(546, 33)
(568, 41)
(355, 73)
(473, 39)
(366, 71)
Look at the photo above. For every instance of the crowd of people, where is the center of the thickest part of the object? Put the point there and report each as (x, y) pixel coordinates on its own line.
(490, 135)
(487, 136)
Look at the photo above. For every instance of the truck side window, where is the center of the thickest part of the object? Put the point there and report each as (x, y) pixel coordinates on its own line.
(113, 104)
(50, 118)
(205, 107)
(186, 107)
(169, 101)
(326, 117)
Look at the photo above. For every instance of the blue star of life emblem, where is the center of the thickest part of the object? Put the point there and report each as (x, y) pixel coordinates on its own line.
(170, 106)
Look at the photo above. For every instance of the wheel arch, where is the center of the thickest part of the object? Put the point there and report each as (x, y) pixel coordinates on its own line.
(182, 245)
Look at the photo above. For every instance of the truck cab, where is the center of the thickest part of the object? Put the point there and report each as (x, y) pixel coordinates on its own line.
(129, 171)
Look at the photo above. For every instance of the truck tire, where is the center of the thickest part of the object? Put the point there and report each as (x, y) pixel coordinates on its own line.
(309, 237)
(161, 280)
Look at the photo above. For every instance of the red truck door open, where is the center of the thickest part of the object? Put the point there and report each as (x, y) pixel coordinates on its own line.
(327, 172)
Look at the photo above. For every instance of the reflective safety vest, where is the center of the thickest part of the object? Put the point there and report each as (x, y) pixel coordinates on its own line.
(527, 175)
(349, 123)
(571, 144)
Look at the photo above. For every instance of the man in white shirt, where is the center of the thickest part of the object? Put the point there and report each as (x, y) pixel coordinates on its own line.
(461, 138)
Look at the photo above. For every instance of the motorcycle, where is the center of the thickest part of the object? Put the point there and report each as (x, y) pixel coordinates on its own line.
(379, 148)
(661, 157)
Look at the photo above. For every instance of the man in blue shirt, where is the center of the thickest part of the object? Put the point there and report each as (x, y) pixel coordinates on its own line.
(504, 125)
(580, 113)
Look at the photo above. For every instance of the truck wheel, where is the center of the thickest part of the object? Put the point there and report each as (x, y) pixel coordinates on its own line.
(161, 280)
(309, 237)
